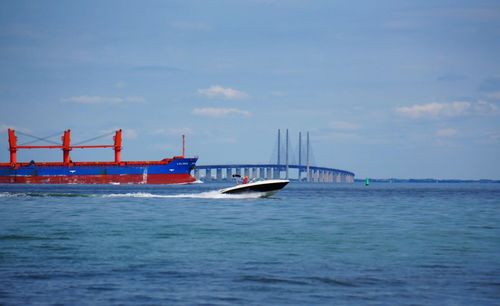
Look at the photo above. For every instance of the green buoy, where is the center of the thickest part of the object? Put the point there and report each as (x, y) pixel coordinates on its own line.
(367, 182)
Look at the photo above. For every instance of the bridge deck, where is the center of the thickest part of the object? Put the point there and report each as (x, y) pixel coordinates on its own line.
(316, 174)
(274, 166)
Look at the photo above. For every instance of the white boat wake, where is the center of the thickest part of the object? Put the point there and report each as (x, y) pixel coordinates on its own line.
(215, 194)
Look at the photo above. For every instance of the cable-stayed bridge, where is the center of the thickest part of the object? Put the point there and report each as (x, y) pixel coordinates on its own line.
(282, 165)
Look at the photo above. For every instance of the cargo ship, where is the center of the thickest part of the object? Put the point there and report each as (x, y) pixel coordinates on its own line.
(175, 170)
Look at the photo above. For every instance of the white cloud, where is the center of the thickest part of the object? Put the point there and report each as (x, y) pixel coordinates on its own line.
(104, 100)
(217, 91)
(447, 132)
(434, 110)
(453, 109)
(344, 125)
(219, 112)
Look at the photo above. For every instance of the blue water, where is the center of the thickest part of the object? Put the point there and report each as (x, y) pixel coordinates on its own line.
(386, 244)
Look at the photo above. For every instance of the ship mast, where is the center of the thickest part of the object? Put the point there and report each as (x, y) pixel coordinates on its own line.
(183, 145)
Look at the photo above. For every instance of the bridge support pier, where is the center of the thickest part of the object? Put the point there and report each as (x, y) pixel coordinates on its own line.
(208, 174)
(254, 173)
(277, 173)
(269, 173)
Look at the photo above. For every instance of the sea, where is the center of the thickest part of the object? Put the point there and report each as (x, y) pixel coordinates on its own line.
(310, 244)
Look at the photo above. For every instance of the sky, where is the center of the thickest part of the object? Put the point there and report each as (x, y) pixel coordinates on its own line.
(402, 89)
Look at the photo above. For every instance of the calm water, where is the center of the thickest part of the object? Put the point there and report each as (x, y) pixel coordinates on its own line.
(390, 244)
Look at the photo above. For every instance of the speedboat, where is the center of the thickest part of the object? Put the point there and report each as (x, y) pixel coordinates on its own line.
(266, 188)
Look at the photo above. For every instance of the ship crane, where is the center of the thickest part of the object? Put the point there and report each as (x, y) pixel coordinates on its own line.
(174, 170)
(65, 146)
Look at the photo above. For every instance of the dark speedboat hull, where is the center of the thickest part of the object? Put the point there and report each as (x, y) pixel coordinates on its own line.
(267, 188)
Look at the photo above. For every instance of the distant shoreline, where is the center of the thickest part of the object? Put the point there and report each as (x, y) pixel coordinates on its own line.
(428, 180)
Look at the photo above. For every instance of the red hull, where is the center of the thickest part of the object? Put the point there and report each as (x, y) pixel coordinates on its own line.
(101, 179)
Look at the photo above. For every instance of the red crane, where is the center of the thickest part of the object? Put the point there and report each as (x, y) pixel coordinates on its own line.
(66, 146)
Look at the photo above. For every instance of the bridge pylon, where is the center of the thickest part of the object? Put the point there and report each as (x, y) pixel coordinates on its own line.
(279, 164)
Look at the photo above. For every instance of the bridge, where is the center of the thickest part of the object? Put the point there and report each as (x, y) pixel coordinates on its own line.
(302, 171)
